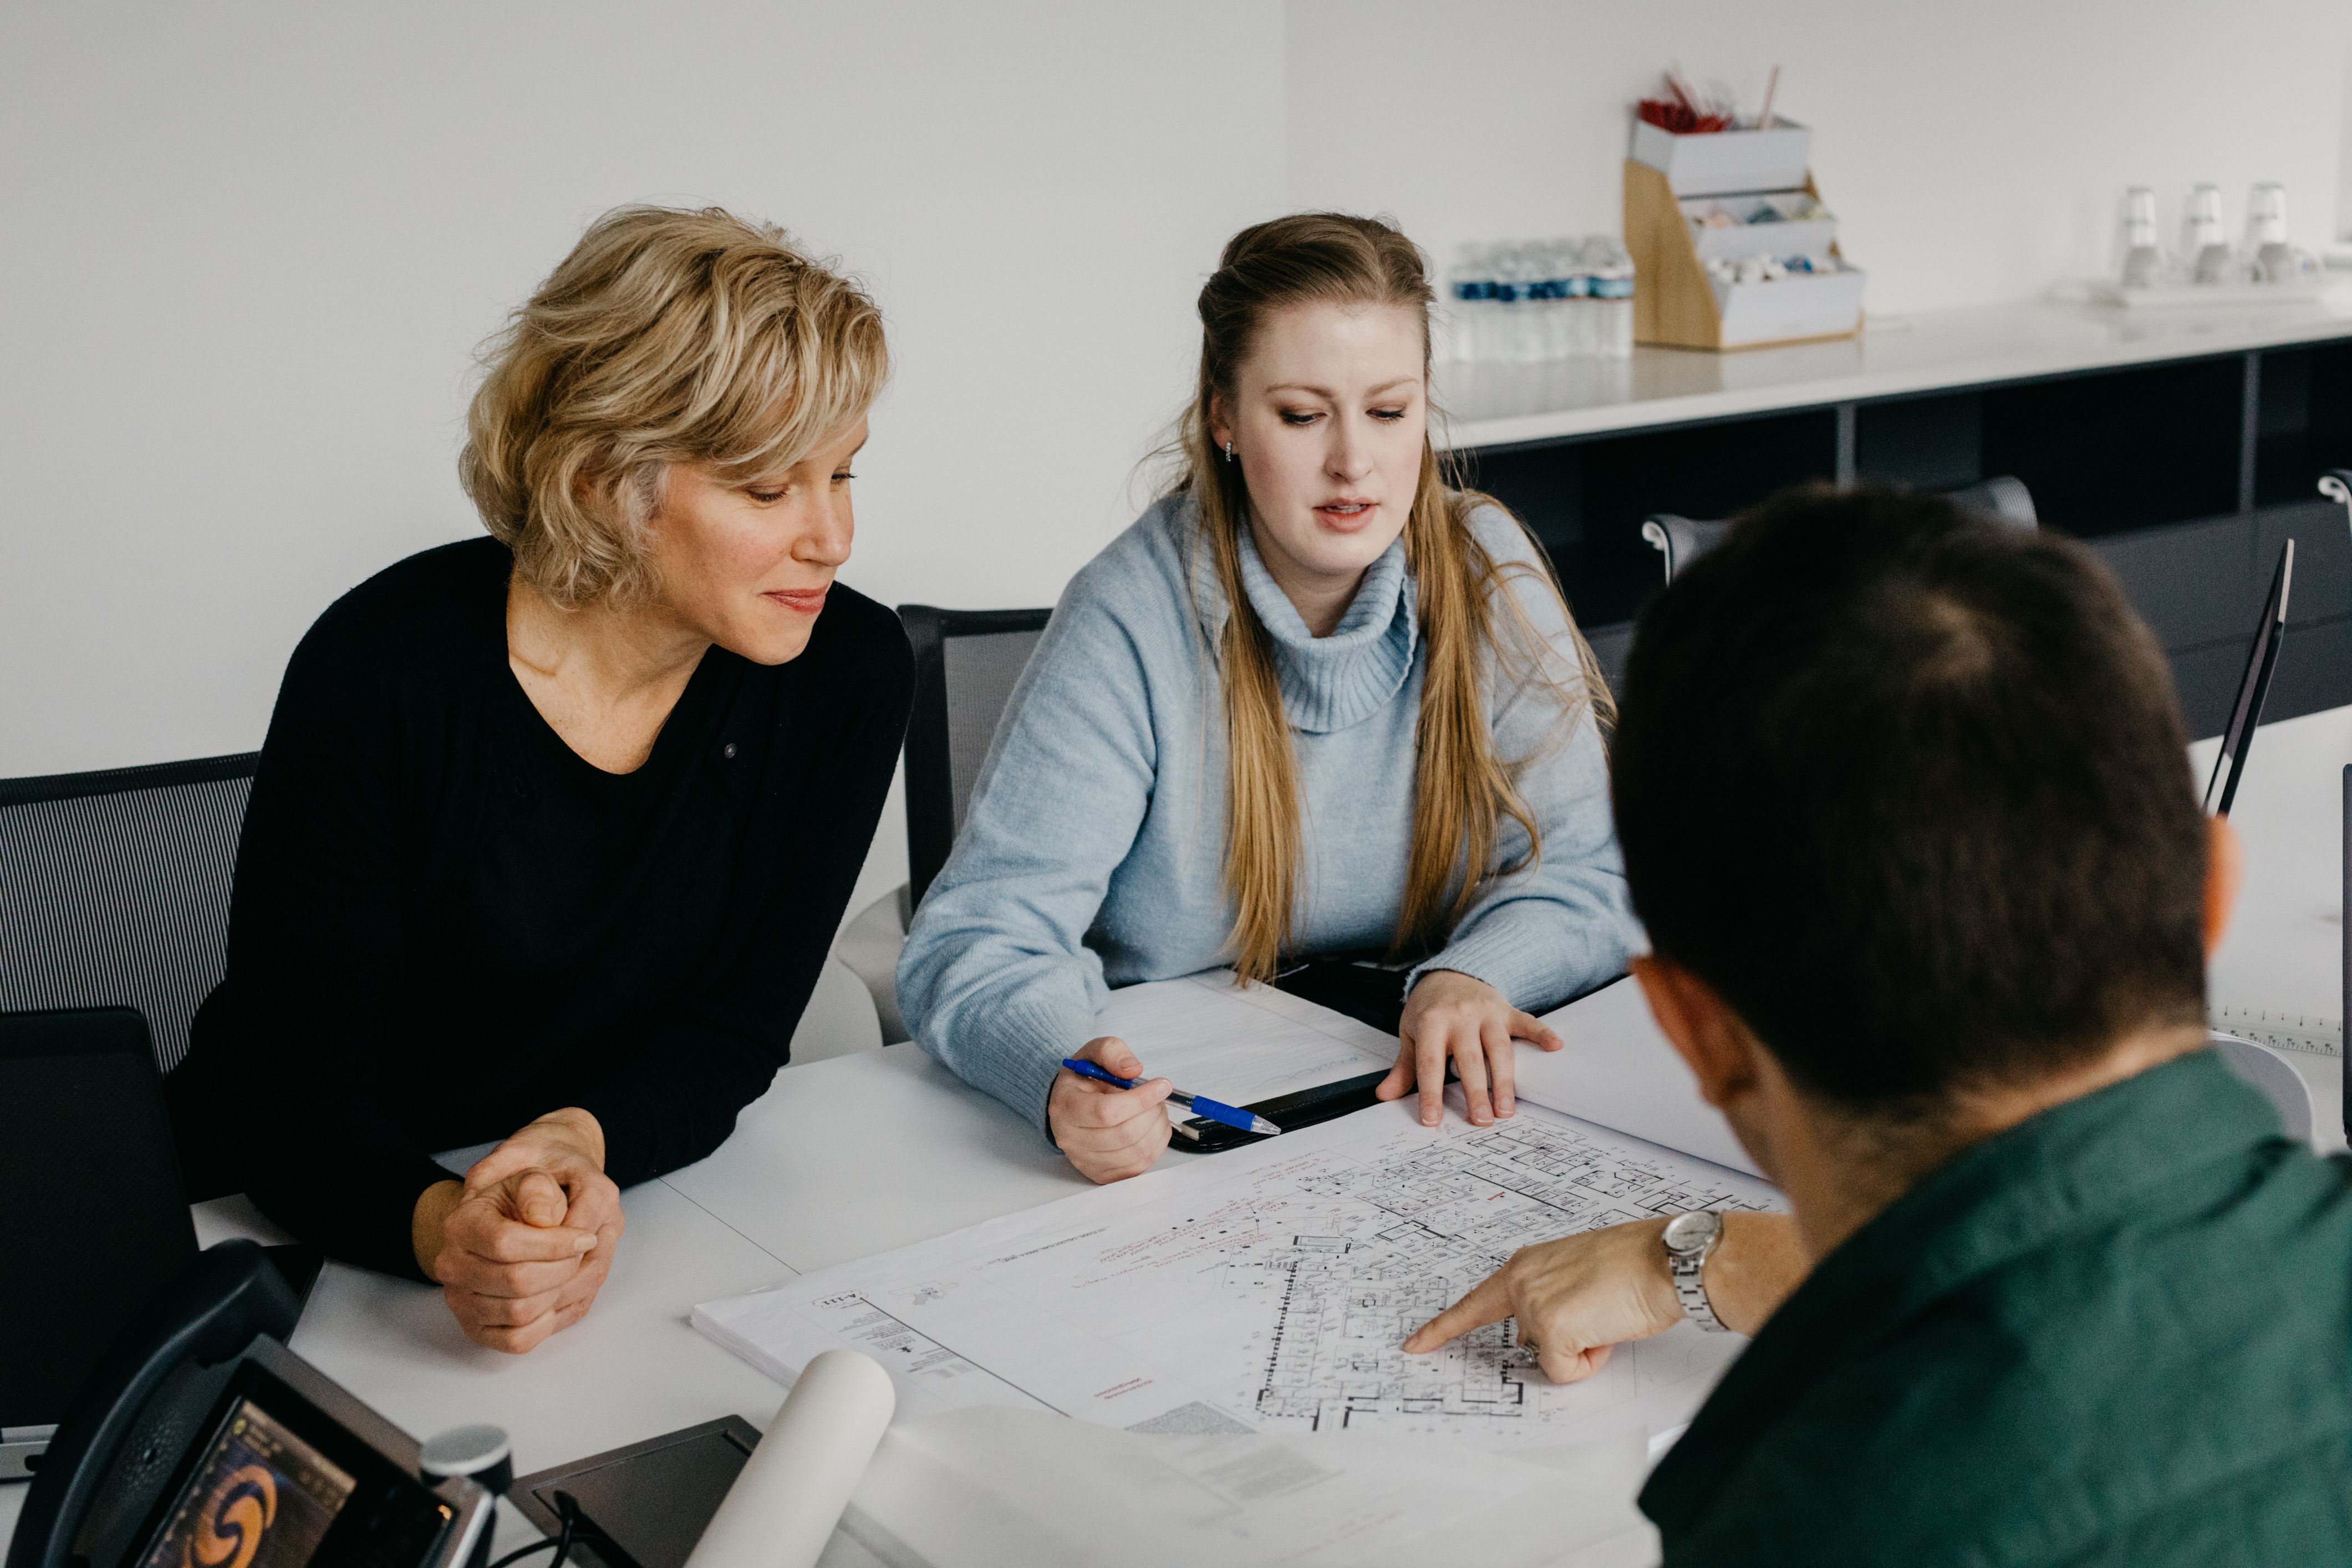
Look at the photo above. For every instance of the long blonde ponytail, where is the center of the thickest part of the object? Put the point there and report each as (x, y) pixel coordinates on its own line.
(1462, 789)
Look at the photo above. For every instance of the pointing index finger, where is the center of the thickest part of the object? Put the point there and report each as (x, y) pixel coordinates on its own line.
(1489, 1303)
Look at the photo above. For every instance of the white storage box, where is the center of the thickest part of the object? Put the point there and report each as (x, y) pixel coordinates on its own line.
(1802, 305)
(1811, 236)
(1724, 162)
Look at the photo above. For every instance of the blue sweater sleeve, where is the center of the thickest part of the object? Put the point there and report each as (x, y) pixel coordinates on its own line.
(1564, 923)
(996, 979)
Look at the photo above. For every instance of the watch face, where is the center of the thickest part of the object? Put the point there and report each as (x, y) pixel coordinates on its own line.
(1687, 1233)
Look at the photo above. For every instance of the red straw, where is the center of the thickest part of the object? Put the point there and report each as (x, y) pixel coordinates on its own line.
(1687, 113)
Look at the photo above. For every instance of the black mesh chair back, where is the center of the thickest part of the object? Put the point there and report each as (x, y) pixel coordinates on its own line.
(1682, 540)
(114, 889)
(966, 662)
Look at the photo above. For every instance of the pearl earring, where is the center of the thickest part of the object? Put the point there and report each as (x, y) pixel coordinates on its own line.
(1229, 451)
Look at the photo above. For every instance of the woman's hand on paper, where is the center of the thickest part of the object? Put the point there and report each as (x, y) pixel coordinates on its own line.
(1452, 1015)
(1577, 1297)
(522, 1246)
(1110, 1135)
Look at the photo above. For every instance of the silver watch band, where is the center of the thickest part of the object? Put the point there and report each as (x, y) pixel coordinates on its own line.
(1689, 1270)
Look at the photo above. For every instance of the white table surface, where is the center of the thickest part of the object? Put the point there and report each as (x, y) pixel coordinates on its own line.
(2283, 951)
(866, 1152)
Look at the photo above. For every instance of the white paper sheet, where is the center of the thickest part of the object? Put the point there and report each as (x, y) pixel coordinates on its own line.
(1243, 1045)
(1268, 1290)
(1010, 1489)
(1618, 1070)
(1240, 1046)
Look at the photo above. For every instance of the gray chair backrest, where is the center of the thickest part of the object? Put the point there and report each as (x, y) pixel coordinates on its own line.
(114, 889)
(1680, 541)
(2335, 484)
(966, 664)
(2003, 499)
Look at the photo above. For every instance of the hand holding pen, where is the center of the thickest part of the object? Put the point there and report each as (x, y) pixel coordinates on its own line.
(1199, 1104)
(1109, 1134)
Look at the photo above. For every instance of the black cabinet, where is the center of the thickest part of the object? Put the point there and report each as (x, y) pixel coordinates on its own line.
(2192, 581)
(1586, 501)
(2123, 449)
(2303, 423)
(2185, 476)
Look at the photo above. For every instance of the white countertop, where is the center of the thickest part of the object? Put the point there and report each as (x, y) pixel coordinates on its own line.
(1499, 405)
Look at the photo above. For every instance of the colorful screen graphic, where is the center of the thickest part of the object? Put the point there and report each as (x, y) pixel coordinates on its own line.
(261, 1498)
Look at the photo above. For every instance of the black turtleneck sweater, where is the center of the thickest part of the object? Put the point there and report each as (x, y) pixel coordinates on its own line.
(446, 922)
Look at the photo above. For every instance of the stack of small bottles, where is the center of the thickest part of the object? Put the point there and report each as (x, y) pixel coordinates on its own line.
(1527, 301)
(2206, 258)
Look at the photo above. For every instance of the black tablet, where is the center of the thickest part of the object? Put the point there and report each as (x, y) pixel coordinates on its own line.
(2253, 688)
(289, 1477)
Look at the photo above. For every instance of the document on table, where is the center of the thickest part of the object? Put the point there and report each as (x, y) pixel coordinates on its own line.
(1249, 1043)
(1268, 1290)
(993, 1488)
(1620, 1070)
(1240, 1044)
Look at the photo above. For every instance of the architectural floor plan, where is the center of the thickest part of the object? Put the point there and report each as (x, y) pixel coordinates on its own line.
(1268, 1290)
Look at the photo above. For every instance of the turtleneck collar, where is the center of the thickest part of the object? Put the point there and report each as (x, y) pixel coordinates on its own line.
(1329, 683)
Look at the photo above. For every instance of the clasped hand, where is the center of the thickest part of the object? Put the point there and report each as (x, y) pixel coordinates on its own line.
(523, 1244)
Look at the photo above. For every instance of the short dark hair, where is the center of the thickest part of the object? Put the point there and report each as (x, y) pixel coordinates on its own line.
(1909, 790)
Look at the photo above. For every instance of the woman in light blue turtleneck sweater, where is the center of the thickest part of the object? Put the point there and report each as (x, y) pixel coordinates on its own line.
(1172, 787)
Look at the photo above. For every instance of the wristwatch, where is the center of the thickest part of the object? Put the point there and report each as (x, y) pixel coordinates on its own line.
(1689, 1238)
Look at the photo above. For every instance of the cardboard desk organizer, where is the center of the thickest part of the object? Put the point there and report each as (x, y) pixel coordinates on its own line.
(1727, 195)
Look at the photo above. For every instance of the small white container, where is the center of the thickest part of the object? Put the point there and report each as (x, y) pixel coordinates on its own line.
(1726, 162)
(1802, 305)
(1812, 236)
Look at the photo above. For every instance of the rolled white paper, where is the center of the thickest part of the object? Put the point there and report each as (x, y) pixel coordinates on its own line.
(782, 1509)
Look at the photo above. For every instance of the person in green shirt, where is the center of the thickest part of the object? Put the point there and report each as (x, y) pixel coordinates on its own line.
(1929, 895)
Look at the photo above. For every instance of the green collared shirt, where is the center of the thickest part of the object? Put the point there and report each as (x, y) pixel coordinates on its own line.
(2120, 1333)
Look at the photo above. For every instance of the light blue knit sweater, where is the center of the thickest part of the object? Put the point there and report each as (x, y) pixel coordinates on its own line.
(1091, 856)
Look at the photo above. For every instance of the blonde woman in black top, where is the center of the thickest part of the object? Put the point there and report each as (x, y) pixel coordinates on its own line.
(552, 829)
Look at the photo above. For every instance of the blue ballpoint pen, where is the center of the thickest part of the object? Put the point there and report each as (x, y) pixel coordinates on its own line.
(1214, 1109)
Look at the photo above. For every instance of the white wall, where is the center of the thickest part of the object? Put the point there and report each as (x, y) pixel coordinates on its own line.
(1973, 154)
(248, 249)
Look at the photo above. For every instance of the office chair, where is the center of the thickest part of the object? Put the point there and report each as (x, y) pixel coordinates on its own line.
(114, 889)
(1682, 540)
(2335, 484)
(966, 662)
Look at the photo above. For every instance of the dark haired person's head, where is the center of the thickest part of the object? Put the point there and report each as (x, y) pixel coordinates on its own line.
(1907, 790)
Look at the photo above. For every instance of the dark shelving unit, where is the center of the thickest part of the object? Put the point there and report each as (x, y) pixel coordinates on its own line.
(1586, 500)
(2304, 423)
(2186, 475)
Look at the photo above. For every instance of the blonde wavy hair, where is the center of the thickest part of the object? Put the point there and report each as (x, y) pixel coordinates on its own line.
(1462, 789)
(667, 336)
